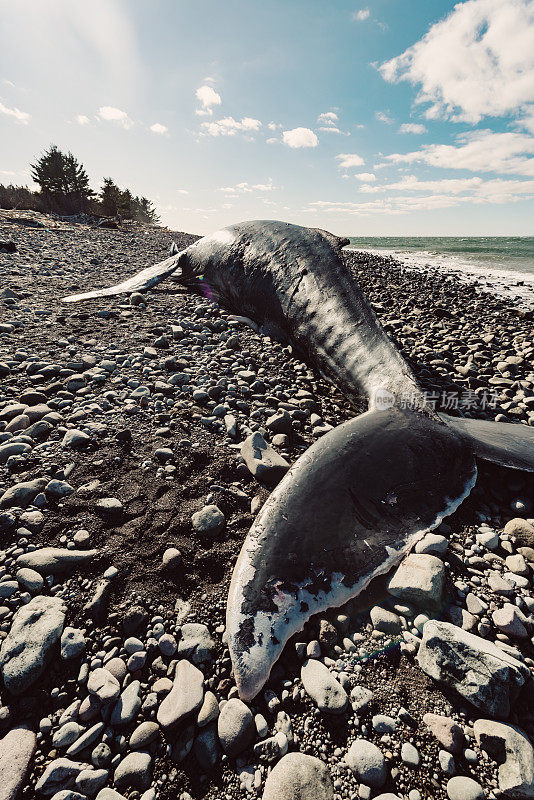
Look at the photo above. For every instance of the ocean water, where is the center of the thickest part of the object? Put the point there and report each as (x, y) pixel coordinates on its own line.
(504, 265)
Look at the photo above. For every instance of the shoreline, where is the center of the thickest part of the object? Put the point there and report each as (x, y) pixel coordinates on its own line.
(508, 284)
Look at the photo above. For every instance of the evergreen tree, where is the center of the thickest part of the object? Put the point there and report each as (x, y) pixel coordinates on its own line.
(110, 198)
(126, 204)
(63, 181)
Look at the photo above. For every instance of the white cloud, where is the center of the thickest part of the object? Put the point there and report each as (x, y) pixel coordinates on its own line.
(366, 176)
(112, 114)
(328, 123)
(208, 97)
(15, 113)
(247, 188)
(473, 190)
(477, 62)
(328, 118)
(439, 194)
(348, 160)
(228, 126)
(272, 140)
(300, 137)
(81, 119)
(273, 126)
(182, 191)
(412, 127)
(361, 15)
(381, 116)
(479, 151)
(157, 127)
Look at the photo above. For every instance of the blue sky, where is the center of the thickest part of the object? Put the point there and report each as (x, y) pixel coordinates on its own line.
(385, 118)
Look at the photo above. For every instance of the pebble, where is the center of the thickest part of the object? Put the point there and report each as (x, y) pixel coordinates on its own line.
(209, 521)
(185, 697)
(103, 685)
(366, 760)
(419, 580)
(134, 771)
(72, 643)
(296, 776)
(477, 669)
(324, 689)
(236, 727)
(265, 464)
(127, 705)
(516, 769)
(16, 753)
(35, 629)
(463, 788)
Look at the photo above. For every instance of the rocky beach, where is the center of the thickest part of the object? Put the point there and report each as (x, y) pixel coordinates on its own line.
(127, 486)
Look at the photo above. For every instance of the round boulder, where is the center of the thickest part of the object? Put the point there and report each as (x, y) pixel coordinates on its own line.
(299, 777)
(209, 521)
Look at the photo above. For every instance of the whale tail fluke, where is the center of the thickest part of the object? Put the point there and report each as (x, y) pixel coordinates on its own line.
(505, 443)
(348, 510)
(143, 280)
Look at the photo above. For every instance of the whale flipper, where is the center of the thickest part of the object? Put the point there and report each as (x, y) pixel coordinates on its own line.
(505, 443)
(145, 279)
(349, 509)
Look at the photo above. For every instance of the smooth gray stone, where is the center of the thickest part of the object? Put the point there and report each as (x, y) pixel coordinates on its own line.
(462, 788)
(72, 643)
(36, 628)
(127, 706)
(144, 734)
(185, 697)
(90, 781)
(195, 642)
(75, 439)
(22, 494)
(16, 752)
(419, 579)
(87, 738)
(510, 747)
(30, 580)
(299, 777)
(367, 761)
(103, 684)
(478, 670)
(55, 560)
(59, 774)
(264, 463)
(323, 687)
(134, 771)
(209, 521)
(236, 727)
(207, 748)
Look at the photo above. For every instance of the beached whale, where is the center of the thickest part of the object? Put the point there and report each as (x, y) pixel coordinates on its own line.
(359, 498)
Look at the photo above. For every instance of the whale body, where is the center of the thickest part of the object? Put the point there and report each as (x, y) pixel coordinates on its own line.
(359, 498)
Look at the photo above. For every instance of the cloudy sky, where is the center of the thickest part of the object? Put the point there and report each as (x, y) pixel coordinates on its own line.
(396, 117)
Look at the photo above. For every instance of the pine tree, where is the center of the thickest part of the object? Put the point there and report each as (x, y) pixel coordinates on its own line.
(110, 198)
(63, 181)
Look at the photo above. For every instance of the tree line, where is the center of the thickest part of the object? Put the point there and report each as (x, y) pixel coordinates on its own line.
(64, 189)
